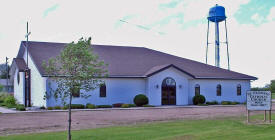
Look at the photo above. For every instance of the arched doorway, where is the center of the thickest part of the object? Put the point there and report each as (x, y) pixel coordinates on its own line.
(168, 91)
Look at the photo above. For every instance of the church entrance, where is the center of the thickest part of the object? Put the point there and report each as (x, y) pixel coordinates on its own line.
(168, 91)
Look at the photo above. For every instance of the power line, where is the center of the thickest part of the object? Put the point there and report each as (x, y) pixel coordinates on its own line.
(142, 27)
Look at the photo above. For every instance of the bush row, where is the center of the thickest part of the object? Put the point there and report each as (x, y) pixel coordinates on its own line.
(222, 103)
(200, 100)
(9, 101)
(212, 103)
(229, 103)
(92, 106)
(139, 100)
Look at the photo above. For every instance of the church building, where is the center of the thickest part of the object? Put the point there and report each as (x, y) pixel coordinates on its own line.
(165, 79)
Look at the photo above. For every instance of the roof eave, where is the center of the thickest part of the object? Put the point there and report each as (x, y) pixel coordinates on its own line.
(228, 78)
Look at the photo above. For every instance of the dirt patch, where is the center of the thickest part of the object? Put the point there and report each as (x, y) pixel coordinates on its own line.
(57, 121)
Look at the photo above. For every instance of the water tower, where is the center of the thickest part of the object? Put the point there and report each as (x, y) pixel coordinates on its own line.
(217, 15)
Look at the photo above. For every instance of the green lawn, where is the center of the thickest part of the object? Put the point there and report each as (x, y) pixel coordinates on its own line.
(218, 129)
(273, 95)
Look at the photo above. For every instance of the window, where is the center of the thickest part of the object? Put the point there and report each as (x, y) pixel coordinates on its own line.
(219, 90)
(76, 91)
(239, 90)
(102, 90)
(197, 89)
(18, 78)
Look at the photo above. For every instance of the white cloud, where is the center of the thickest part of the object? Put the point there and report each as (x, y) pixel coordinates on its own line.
(257, 18)
(271, 15)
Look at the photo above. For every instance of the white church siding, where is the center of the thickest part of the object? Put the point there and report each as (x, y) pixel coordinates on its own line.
(118, 90)
(19, 88)
(154, 93)
(229, 90)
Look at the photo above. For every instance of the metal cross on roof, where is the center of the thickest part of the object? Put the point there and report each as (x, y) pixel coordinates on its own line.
(27, 38)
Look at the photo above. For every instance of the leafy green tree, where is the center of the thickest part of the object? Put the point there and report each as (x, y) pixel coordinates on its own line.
(3, 71)
(272, 86)
(75, 70)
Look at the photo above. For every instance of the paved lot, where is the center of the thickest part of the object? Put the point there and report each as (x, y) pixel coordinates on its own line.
(15, 123)
(4, 110)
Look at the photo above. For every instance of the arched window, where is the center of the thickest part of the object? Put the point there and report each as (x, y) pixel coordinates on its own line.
(197, 89)
(168, 82)
(219, 90)
(239, 89)
(102, 92)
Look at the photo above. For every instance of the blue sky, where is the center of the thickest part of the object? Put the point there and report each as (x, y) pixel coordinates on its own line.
(177, 27)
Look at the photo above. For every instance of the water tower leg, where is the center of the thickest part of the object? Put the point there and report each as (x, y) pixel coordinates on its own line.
(228, 64)
(217, 45)
(207, 43)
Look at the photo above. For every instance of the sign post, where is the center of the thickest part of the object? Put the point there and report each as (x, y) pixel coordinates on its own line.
(258, 100)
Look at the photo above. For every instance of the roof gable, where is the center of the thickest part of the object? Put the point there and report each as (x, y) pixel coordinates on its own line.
(161, 68)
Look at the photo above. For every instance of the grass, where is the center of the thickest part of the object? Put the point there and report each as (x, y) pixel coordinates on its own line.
(218, 129)
(273, 95)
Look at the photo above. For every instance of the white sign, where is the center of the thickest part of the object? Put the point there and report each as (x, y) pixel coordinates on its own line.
(258, 100)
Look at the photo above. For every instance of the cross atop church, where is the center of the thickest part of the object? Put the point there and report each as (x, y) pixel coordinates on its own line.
(27, 38)
(28, 33)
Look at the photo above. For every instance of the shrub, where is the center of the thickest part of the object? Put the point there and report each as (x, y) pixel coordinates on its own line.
(57, 107)
(202, 104)
(20, 107)
(65, 107)
(2, 104)
(77, 106)
(141, 100)
(117, 104)
(132, 105)
(42, 107)
(50, 108)
(198, 99)
(235, 103)
(104, 106)
(10, 100)
(125, 106)
(226, 102)
(148, 106)
(11, 106)
(3, 96)
(90, 106)
(229, 103)
(212, 103)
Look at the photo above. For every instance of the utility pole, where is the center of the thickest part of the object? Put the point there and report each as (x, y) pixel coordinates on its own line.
(7, 74)
(27, 72)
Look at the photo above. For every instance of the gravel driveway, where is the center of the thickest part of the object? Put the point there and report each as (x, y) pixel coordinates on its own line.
(57, 121)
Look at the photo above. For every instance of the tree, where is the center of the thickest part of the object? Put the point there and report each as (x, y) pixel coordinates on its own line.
(75, 69)
(272, 86)
(3, 71)
(1, 88)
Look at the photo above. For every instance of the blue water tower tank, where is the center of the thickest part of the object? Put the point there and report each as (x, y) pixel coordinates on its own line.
(217, 14)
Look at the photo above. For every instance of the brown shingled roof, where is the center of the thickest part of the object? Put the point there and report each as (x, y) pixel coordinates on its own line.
(20, 63)
(134, 61)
